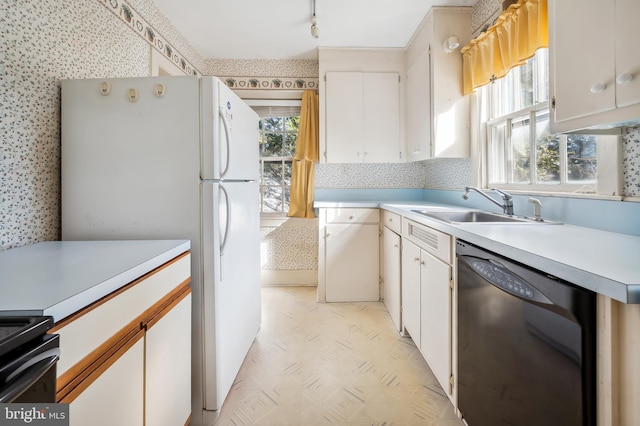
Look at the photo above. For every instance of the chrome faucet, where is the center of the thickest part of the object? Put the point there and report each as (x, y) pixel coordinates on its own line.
(507, 207)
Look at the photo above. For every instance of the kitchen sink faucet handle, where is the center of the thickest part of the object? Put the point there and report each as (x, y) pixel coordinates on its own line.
(537, 206)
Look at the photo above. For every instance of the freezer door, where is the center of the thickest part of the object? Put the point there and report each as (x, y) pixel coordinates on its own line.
(231, 266)
(229, 134)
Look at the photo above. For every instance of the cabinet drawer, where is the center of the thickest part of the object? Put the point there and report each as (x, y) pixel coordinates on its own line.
(392, 221)
(88, 333)
(435, 242)
(352, 215)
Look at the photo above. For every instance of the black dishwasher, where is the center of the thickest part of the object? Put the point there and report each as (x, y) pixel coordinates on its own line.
(28, 358)
(526, 344)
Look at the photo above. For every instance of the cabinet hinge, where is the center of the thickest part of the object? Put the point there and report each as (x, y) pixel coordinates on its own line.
(380, 280)
(324, 77)
(451, 284)
(451, 382)
(553, 102)
(398, 79)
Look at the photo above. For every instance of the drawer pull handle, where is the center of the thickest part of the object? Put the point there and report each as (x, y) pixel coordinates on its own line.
(624, 78)
(598, 88)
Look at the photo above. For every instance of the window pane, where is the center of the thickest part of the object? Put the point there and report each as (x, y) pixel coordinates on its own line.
(520, 151)
(271, 199)
(287, 173)
(293, 123)
(547, 151)
(289, 148)
(496, 154)
(272, 174)
(272, 124)
(581, 158)
(271, 145)
(542, 75)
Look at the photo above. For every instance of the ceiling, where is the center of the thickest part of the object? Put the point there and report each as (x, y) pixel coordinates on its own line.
(281, 29)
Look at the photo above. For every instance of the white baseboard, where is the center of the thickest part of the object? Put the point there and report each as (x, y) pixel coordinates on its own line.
(293, 278)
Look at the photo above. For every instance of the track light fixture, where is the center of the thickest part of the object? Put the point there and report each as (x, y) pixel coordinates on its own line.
(314, 27)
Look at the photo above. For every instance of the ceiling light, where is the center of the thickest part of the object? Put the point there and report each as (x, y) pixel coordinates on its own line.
(315, 33)
(451, 44)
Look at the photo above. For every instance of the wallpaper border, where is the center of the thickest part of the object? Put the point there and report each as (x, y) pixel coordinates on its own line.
(140, 26)
(270, 83)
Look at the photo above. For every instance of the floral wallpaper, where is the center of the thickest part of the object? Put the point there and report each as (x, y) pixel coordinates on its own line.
(43, 42)
(631, 163)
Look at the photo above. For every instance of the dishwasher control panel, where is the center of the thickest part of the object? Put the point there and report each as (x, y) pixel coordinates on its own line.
(503, 278)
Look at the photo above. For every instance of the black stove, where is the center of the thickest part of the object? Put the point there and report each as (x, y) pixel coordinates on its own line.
(28, 357)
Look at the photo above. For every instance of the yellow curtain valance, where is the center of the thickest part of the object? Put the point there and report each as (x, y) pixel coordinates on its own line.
(518, 32)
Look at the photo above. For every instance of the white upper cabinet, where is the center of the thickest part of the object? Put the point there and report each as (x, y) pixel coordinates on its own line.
(437, 112)
(362, 117)
(594, 53)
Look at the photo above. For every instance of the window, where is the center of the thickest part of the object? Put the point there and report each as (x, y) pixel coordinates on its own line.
(521, 153)
(277, 140)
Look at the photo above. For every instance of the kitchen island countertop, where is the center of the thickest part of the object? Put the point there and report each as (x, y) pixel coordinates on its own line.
(58, 278)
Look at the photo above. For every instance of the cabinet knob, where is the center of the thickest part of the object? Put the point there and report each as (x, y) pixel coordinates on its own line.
(598, 88)
(422, 263)
(390, 219)
(416, 259)
(395, 246)
(351, 217)
(624, 78)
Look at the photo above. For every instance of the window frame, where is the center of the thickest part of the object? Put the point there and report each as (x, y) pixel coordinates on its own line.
(488, 122)
(284, 161)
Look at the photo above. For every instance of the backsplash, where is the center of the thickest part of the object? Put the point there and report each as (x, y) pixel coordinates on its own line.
(441, 173)
(43, 42)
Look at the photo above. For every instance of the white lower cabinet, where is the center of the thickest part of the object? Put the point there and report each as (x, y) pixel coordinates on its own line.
(168, 366)
(391, 270)
(114, 398)
(126, 359)
(348, 256)
(411, 290)
(427, 297)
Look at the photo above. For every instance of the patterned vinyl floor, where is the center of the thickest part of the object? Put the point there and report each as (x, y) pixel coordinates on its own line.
(332, 363)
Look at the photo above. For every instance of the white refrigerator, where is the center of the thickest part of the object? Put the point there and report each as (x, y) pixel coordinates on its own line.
(173, 158)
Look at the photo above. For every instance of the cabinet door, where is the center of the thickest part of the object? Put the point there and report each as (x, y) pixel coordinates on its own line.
(381, 125)
(411, 289)
(168, 367)
(627, 52)
(435, 324)
(352, 262)
(582, 57)
(419, 108)
(344, 117)
(391, 275)
(116, 396)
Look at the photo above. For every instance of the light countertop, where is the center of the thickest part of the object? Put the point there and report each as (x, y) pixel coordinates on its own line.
(607, 263)
(58, 278)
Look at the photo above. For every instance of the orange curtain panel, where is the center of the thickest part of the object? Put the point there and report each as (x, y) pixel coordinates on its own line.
(518, 32)
(307, 154)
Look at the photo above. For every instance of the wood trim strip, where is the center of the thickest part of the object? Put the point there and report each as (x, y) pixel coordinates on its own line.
(58, 325)
(188, 422)
(167, 307)
(86, 365)
(69, 379)
(82, 383)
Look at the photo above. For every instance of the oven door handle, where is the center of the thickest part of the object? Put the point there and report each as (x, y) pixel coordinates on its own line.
(32, 371)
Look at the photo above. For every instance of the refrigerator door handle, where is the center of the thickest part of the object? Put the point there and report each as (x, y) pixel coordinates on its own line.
(227, 225)
(227, 141)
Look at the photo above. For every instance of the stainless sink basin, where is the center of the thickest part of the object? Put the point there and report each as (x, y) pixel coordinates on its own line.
(475, 217)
